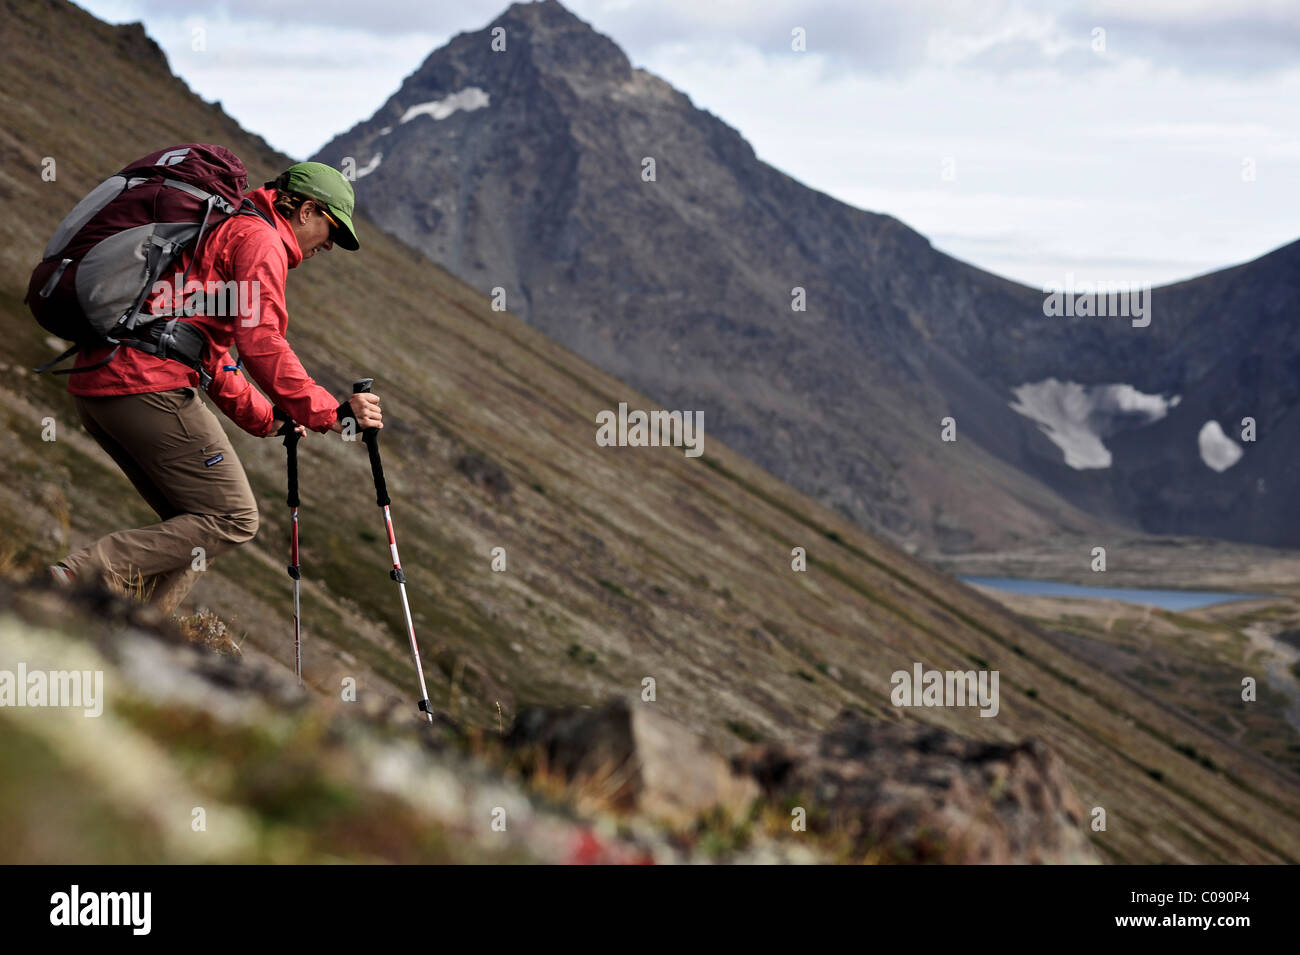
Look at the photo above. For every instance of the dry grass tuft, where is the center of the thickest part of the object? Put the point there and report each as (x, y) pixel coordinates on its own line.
(205, 629)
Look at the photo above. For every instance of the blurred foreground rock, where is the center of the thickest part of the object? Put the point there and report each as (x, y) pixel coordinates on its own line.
(632, 758)
(887, 792)
(909, 793)
(282, 775)
(287, 775)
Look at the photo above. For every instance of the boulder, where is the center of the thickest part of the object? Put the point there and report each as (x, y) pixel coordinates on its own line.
(910, 793)
(630, 757)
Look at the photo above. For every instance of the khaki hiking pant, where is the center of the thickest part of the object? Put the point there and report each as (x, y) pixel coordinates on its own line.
(175, 452)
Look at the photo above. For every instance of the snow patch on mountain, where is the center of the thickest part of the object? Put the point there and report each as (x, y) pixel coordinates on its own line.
(371, 166)
(468, 99)
(1076, 418)
(1218, 451)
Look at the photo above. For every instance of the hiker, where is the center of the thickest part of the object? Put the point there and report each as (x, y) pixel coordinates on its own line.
(146, 413)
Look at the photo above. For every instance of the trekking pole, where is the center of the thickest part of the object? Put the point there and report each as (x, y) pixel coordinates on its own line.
(371, 437)
(291, 436)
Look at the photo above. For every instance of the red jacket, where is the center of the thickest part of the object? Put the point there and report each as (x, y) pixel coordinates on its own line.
(243, 249)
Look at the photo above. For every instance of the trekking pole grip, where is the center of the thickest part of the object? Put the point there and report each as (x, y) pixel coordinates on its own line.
(289, 431)
(291, 443)
(371, 437)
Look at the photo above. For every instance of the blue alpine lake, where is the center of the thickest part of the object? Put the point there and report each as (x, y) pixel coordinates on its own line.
(1164, 599)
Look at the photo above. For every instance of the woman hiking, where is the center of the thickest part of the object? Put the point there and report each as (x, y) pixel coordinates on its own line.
(146, 413)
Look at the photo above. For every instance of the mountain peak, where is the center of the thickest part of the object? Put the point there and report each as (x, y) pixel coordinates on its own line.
(546, 14)
(534, 58)
(551, 38)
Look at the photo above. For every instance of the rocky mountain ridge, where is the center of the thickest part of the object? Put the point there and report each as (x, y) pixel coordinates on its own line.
(523, 170)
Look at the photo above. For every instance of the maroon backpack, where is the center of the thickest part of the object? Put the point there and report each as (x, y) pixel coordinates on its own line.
(108, 252)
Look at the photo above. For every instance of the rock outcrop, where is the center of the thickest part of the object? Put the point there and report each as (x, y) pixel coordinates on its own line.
(875, 791)
(910, 793)
(631, 758)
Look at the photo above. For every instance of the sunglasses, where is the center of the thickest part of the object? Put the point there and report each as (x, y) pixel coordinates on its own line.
(334, 223)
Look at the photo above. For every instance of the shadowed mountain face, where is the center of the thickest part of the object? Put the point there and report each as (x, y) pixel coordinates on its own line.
(1223, 348)
(532, 182)
(525, 169)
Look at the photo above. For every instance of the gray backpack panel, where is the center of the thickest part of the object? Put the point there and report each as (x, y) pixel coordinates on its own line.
(113, 274)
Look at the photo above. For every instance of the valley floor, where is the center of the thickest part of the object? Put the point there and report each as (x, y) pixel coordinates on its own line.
(1182, 563)
(1193, 662)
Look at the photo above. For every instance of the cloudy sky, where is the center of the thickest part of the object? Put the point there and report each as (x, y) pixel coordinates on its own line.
(1111, 140)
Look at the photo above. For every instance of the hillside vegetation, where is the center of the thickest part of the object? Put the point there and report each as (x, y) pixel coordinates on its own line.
(622, 563)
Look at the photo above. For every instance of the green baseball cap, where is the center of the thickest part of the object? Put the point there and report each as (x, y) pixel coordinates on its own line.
(326, 185)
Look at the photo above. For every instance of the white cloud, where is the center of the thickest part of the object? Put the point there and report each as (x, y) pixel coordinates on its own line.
(1127, 165)
(296, 87)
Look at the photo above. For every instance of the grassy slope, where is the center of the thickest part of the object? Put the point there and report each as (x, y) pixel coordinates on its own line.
(623, 563)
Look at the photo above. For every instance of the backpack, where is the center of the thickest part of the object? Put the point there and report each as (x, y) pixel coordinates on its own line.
(107, 253)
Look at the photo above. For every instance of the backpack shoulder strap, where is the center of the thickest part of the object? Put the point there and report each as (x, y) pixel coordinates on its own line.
(248, 208)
